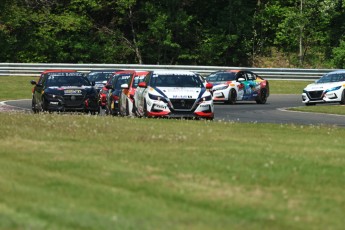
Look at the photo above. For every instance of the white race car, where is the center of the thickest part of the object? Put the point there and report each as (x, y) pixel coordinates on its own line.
(230, 86)
(329, 88)
(171, 93)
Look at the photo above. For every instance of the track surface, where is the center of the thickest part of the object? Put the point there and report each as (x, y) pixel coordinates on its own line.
(271, 112)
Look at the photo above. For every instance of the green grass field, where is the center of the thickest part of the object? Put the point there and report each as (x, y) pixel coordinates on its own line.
(68, 171)
(20, 87)
(329, 109)
(89, 172)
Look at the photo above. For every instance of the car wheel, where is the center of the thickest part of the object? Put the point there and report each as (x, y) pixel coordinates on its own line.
(44, 105)
(342, 101)
(145, 109)
(262, 97)
(34, 106)
(134, 109)
(127, 108)
(232, 97)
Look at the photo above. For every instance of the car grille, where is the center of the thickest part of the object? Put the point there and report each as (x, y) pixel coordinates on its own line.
(74, 100)
(182, 104)
(315, 95)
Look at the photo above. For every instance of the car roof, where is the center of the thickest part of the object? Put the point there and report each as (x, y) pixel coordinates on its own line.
(337, 71)
(104, 71)
(58, 71)
(172, 72)
(65, 73)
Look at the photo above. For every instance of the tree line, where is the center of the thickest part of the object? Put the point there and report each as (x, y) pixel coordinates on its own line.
(306, 33)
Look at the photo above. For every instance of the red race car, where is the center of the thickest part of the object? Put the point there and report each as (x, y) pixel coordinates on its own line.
(127, 96)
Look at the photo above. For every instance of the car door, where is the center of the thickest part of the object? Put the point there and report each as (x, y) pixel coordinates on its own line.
(252, 84)
(38, 89)
(140, 93)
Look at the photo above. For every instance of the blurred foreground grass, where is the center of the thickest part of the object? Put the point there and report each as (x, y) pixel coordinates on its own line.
(94, 172)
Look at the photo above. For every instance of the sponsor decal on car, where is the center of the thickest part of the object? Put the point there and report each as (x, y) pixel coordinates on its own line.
(72, 92)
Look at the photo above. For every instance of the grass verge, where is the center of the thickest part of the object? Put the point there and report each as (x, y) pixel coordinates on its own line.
(13, 88)
(329, 109)
(287, 87)
(89, 172)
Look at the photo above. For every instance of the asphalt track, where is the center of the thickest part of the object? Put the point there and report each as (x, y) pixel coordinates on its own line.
(274, 111)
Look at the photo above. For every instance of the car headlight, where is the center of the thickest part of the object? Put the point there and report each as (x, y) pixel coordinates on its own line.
(158, 98)
(333, 89)
(207, 98)
(222, 88)
(51, 96)
(104, 91)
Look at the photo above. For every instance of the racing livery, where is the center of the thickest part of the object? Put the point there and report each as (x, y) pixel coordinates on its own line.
(64, 90)
(171, 93)
(114, 90)
(329, 88)
(128, 90)
(100, 77)
(230, 86)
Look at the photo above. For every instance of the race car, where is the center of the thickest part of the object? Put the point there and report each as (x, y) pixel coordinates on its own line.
(128, 90)
(230, 86)
(100, 77)
(171, 93)
(329, 88)
(114, 90)
(64, 90)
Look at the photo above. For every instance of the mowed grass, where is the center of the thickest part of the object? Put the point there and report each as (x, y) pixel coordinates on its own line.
(329, 109)
(16, 87)
(287, 87)
(19, 87)
(95, 172)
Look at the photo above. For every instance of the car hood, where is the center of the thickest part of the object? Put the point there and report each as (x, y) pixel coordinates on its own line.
(69, 90)
(100, 84)
(322, 86)
(180, 92)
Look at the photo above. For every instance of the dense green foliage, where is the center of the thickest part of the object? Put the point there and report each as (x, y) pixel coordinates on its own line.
(225, 32)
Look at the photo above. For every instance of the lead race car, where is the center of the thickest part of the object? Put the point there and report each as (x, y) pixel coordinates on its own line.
(329, 88)
(238, 85)
(64, 90)
(171, 93)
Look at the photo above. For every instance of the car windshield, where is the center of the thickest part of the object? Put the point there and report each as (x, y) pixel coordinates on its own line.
(173, 80)
(334, 77)
(63, 80)
(99, 76)
(217, 77)
(122, 79)
(137, 80)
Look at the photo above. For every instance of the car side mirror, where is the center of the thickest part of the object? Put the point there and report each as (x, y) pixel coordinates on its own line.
(209, 86)
(241, 79)
(33, 82)
(109, 86)
(124, 86)
(142, 84)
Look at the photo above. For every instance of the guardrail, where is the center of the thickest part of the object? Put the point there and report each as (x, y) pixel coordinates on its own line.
(34, 69)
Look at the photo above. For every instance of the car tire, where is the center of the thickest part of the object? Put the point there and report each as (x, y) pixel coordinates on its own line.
(145, 109)
(34, 106)
(127, 108)
(262, 97)
(342, 101)
(232, 97)
(44, 106)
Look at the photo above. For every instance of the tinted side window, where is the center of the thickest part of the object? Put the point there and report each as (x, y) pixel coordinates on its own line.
(250, 77)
